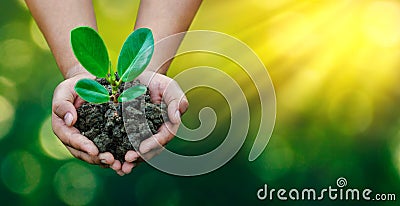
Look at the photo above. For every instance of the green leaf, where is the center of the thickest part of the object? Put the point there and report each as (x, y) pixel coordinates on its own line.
(92, 91)
(135, 54)
(132, 93)
(90, 50)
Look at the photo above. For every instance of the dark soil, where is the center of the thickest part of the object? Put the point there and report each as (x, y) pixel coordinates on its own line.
(104, 123)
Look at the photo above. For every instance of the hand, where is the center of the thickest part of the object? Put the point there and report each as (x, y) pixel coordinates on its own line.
(162, 88)
(64, 116)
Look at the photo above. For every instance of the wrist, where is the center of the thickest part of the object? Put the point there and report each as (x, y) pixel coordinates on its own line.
(77, 70)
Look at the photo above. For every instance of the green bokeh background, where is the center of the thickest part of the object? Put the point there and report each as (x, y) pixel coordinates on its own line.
(335, 68)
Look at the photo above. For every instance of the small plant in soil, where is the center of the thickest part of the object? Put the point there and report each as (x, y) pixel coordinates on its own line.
(92, 53)
(100, 118)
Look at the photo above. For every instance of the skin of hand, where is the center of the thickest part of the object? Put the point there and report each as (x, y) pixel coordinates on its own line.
(64, 116)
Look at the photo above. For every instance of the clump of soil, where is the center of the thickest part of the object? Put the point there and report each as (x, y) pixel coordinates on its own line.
(104, 123)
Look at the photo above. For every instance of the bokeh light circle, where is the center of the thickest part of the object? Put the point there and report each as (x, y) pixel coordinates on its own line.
(50, 144)
(37, 36)
(21, 172)
(15, 53)
(75, 184)
(7, 116)
(9, 90)
(17, 59)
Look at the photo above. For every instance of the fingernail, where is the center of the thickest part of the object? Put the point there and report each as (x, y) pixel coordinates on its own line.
(178, 116)
(130, 159)
(103, 161)
(68, 119)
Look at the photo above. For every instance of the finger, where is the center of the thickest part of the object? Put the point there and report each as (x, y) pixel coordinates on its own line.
(159, 84)
(176, 101)
(78, 102)
(174, 111)
(84, 156)
(176, 108)
(120, 173)
(106, 158)
(152, 81)
(171, 91)
(116, 165)
(183, 105)
(152, 153)
(71, 136)
(156, 88)
(63, 104)
(161, 87)
(127, 167)
(131, 156)
(166, 132)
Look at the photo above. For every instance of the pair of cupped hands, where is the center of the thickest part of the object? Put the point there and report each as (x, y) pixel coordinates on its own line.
(64, 116)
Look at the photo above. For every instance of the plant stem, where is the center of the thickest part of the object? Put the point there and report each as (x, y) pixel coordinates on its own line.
(114, 86)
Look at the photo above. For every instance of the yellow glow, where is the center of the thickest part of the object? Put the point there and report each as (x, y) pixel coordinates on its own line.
(75, 184)
(270, 5)
(117, 10)
(50, 144)
(116, 20)
(37, 36)
(21, 172)
(306, 83)
(341, 54)
(23, 4)
(282, 38)
(381, 22)
(9, 90)
(16, 58)
(113, 58)
(7, 116)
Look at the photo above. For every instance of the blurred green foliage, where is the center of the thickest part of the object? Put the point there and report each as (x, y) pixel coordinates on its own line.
(335, 68)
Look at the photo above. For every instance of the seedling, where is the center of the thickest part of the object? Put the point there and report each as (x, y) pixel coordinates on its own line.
(91, 52)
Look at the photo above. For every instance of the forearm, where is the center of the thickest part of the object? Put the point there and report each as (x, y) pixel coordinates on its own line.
(56, 19)
(165, 18)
